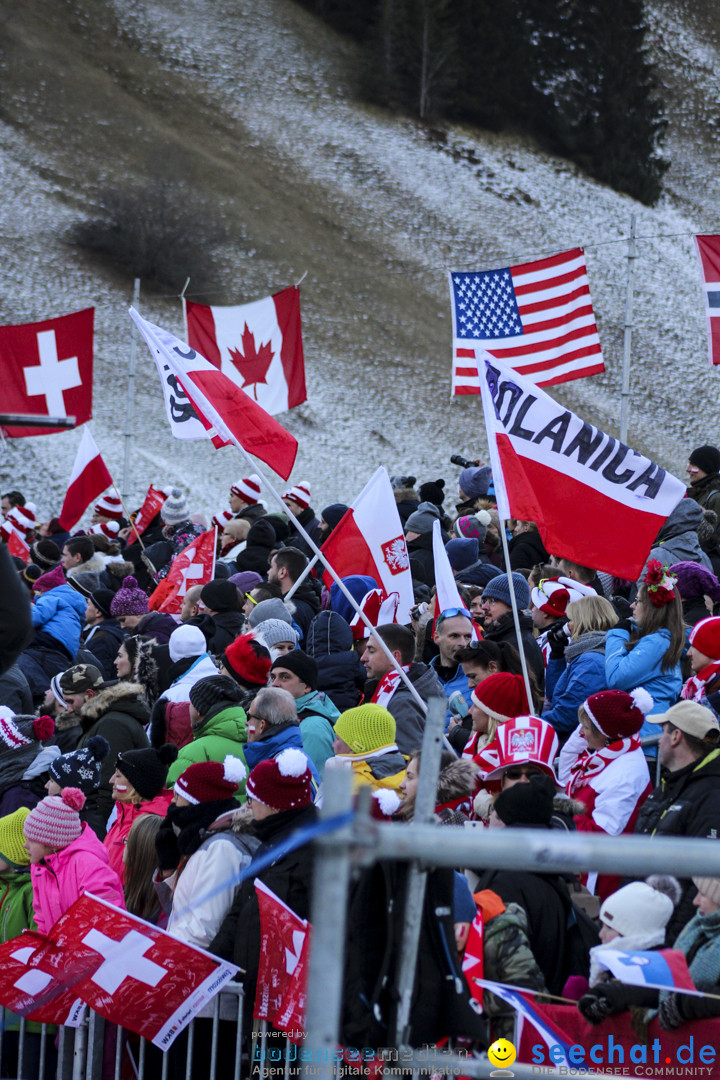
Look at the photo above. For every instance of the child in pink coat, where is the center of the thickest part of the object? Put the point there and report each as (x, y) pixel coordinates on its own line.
(66, 857)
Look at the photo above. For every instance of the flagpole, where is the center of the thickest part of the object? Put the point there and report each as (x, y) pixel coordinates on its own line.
(308, 569)
(627, 333)
(516, 614)
(130, 408)
(127, 516)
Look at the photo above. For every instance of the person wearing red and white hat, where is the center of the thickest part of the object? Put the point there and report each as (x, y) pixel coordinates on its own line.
(549, 600)
(107, 508)
(603, 765)
(704, 655)
(245, 498)
(297, 502)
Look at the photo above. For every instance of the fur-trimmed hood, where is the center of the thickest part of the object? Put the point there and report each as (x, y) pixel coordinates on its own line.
(120, 569)
(401, 494)
(95, 565)
(455, 780)
(129, 693)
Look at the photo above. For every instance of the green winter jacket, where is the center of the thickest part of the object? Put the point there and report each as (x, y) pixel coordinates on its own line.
(16, 915)
(317, 716)
(222, 731)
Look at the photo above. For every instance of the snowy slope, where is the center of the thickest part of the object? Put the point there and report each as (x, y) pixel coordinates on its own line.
(376, 209)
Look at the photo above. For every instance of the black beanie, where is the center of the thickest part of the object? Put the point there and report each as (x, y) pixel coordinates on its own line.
(432, 491)
(220, 596)
(45, 553)
(301, 665)
(102, 599)
(334, 513)
(147, 769)
(706, 458)
(213, 690)
(527, 805)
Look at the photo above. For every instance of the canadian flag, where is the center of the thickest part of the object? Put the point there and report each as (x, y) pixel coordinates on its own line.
(89, 479)
(129, 971)
(46, 368)
(595, 501)
(280, 995)
(202, 401)
(447, 596)
(152, 504)
(369, 540)
(195, 565)
(258, 346)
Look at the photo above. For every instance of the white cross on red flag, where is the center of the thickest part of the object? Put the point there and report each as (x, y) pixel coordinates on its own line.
(195, 565)
(282, 975)
(46, 369)
(35, 992)
(129, 971)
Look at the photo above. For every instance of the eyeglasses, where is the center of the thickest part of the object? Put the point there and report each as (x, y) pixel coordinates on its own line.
(250, 598)
(517, 774)
(255, 716)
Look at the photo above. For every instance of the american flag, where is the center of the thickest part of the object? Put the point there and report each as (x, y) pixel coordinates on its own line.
(537, 317)
(709, 255)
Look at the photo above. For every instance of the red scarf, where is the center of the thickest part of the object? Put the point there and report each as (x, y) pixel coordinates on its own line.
(592, 763)
(387, 687)
(694, 688)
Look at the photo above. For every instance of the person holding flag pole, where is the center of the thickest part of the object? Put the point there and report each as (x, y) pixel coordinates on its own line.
(228, 413)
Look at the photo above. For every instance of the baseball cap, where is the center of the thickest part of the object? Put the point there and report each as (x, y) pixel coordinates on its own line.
(689, 717)
(79, 678)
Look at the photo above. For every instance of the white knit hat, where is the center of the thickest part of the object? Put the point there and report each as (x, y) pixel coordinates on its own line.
(299, 494)
(248, 488)
(637, 908)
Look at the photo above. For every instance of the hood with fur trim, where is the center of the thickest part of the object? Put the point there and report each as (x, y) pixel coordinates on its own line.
(127, 697)
(119, 569)
(94, 565)
(455, 780)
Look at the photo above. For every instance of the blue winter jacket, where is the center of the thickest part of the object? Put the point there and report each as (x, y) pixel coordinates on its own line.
(459, 681)
(642, 667)
(60, 612)
(280, 737)
(569, 685)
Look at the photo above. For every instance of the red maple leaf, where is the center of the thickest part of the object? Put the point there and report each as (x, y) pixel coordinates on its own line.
(252, 363)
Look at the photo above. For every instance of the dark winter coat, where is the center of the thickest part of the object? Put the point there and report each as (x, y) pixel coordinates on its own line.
(103, 641)
(706, 492)
(407, 502)
(526, 550)
(260, 542)
(422, 564)
(177, 537)
(685, 803)
(304, 604)
(15, 615)
(119, 714)
(569, 684)
(341, 676)
(503, 629)
(677, 540)
(228, 625)
(15, 690)
(156, 626)
(41, 660)
(311, 525)
(409, 717)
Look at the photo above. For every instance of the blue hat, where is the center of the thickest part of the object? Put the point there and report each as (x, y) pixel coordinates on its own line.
(464, 907)
(475, 480)
(480, 573)
(499, 589)
(462, 552)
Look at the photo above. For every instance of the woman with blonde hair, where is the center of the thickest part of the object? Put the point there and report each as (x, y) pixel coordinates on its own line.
(577, 669)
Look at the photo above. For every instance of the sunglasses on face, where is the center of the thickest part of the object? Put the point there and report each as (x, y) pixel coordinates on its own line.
(517, 774)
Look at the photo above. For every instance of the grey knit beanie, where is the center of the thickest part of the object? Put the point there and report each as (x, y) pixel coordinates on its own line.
(421, 520)
(175, 508)
(274, 608)
(271, 632)
(499, 589)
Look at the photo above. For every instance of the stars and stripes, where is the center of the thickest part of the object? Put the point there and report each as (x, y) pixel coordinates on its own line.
(536, 316)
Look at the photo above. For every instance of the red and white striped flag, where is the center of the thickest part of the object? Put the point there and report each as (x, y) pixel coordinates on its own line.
(595, 501)
(89, 479)
(258, 346)
(708, 248)
(536, 317)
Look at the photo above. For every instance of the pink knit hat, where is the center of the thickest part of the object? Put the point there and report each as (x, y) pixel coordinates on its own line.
(55, 820)
(51, 580)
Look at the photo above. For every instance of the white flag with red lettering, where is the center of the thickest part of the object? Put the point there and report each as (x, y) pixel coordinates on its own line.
(369, 540)
(195, 565)
(258, 346)
(283, 952)
(447, 597)
(89, 478)
(595, 501)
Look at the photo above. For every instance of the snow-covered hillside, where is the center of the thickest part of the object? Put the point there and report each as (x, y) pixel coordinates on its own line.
(255, 99)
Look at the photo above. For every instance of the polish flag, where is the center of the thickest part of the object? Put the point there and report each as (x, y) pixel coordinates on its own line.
(369, 539)
(595, 501)
(218, 404)
(195, 565)
(258, 346)
(447, 595)
(89, 479)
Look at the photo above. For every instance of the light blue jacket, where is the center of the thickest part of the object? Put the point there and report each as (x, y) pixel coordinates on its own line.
(459, 682)
(643, 667)
(317, 722)
(60, 612)
(583, 676)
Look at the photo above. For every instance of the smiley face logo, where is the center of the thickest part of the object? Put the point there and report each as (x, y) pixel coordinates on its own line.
(502, 1053)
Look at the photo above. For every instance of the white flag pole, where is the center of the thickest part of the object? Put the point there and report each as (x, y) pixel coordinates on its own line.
(296, 585)
(627, 333)
(516, 613)
(130, 407)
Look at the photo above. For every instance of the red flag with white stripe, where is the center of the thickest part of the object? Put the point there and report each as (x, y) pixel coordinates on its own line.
(369, 539)
(16, 546)
(708, 248)
(473, 964)
(595, 501)
(536, 317)
(258, 346)
(152, 504)
(195, 565)
(89, 478)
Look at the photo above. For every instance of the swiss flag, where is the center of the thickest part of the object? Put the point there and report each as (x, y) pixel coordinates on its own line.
(258, 346)
(89, 478)
(282, 975)
(129, 971)
(225, 411)
(152, 504)
(36, 992)
(46, 368)
(17, 546)
(369, 539)
(195, 565)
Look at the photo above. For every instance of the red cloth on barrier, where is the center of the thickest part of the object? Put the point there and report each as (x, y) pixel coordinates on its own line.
(682, 1046)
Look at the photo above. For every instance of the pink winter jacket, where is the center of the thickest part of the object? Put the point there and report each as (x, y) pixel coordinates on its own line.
(127, 813)
(62, 878)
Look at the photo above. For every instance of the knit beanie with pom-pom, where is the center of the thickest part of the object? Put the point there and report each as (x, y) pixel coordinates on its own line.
(81, 768)
(283, 783)
(55, 821)
(616, 714)
(175, 509)
(12, 839)
(210, 781)
(129, 599)
(247, 660)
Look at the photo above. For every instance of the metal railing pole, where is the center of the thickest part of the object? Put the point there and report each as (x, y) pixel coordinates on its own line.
(331, 879)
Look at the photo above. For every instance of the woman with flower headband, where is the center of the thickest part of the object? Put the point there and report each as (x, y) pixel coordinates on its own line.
(645, 650)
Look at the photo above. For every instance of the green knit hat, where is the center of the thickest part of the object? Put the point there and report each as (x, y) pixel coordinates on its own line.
(366, 728)
(12, 839)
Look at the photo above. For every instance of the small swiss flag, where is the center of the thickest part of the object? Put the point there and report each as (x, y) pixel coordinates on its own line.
(195, 565)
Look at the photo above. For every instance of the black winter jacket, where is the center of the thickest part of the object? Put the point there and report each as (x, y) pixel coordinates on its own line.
(261, 540)
(340, 674)
(503, 629)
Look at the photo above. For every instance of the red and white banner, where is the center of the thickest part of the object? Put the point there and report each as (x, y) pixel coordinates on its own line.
(195, 565)
(536, 317)
(258, 345)
(40, 992)
(203, 402)
(708, 248)
(46, 369)
(16, 546)
(151, 506)
(447, 596)
(595, 501)
(369, 539)
(280, 995)
(129, 971)
(89, 478)
(473, 964)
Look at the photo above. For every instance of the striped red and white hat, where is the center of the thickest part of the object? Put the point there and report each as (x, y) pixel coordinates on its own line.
(109, 506)
(110, 529)
(248, 488)
(55, 820)
(299, 494)
(23, 517)
(522, 740)
(220, 520)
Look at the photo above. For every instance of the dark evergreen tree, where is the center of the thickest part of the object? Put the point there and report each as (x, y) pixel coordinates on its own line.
(415, 50)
